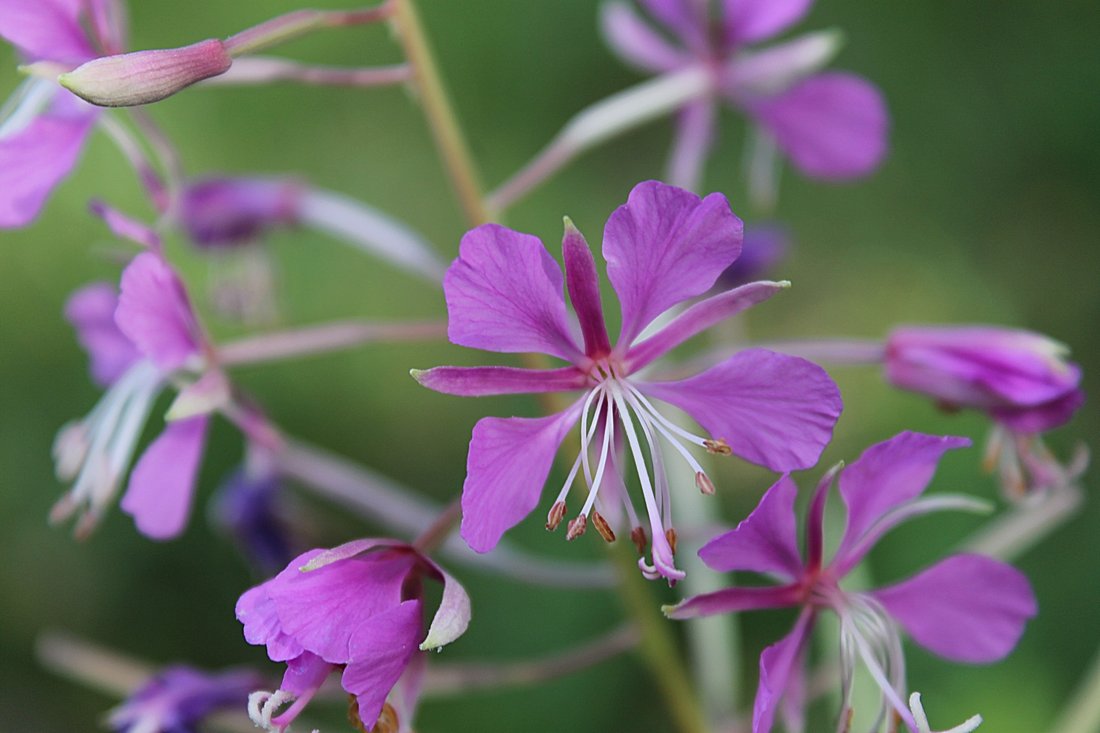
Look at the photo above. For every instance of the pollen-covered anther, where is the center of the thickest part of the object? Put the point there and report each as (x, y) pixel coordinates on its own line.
(670, 535)
(704, 484)
(602, 527)
(717, 447)
(639, 538)
(555, 515)
(577, 527)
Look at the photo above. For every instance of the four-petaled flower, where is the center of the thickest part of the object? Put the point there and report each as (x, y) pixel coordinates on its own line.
(663, 247)
(967, 608)
(357, 607)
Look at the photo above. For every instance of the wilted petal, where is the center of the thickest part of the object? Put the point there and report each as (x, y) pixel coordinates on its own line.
(163, 481)
(154, 312)
(734, 600)
(380, 652)
(504, 293)
(45, 29)
(772, 409)
(832, 126)
(34, 160)
(663, 246)
(493, 380)
(967, 608)
(507, 466)
(91, 311)
(754, 20)
(766, 541)
(453, 615)
(779, 666)
(633, 40)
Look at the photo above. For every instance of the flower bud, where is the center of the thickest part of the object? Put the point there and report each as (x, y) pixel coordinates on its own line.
(223, 212)
(143, 77)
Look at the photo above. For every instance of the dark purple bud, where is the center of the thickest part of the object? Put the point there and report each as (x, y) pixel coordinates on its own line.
(226, 212)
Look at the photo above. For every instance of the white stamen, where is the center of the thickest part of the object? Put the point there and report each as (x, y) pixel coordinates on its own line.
(923, 726)
(658, 420)
(586, 434)
(608, 436)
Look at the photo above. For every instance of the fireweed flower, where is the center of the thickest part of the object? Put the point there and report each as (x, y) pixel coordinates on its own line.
(138, 341)
(832, 125)
(663, 247)
(967, 608)
(1021, 379)
(357, 608)
(178, 698)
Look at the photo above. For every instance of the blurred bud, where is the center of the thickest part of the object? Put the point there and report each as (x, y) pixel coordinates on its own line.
(224, 212)
(763, 248)
(246, 508)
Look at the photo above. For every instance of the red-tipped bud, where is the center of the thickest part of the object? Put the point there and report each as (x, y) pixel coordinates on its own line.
(704, 484)
(639, 538)
(576, 528)
(602, 527)
(555, 515)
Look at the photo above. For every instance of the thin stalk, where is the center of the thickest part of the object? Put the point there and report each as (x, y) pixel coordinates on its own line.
(325, 338)
(1082, 714)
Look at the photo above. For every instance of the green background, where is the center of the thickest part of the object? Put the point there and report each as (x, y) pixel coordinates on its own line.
(985, 211)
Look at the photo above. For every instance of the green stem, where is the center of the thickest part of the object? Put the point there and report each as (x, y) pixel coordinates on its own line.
(1082, 714)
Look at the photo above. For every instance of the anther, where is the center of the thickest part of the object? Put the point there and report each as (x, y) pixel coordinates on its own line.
(670, 535)
(717, 447)
(703, 483)
(555, 515)
(638, 537)
(602, 527)
(576, 528)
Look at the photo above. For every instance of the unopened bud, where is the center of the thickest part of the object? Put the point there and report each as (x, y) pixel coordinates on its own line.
(576, 528)
(143, 77)
(704, 484)
(717, 447)
(555, 515)
(638, 537)
(670, 535)
(602, 527)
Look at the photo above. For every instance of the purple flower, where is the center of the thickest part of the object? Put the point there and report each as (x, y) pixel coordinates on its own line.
(1020, 379)
(967, 608)
(831, 125)
(136, 341)
(226, 212)
(356, 608)
(179, 698)
(663, 247)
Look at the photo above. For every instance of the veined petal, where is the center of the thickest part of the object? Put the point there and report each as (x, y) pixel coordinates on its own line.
(779, 668)
(634, 41)
(505, 293)
(700, 317)
(733, 600)
(745, 21)
(380, 652)
(154, 312)
(494, 380)
(507, 466)
(967, 608)
(91, 311)
(766, 541)
(583, 283)
(45, 29)
(833, 126)
(772, 409)
(34, 160)
(163, 481)
(663, 246)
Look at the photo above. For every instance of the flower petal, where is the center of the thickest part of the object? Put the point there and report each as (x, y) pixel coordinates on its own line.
(34, 160)
(91, 311)
(494, 380)
(634, 41)
(832, 126)
(504, 293)
(772, 409)
(745, 21)
(779, 670)
(967, 608)
(663, 246)
(453, 615)
(507, 466)
(734, 600)
(163, 481)
(766, 541)
(1037, 419)
(584, 290)
(154, 312)
(45, 29)
(305, 674)
(381, 650)
(126, 227)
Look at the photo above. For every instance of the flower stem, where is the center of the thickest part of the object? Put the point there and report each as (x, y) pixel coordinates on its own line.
(319, 339)
(440, 113)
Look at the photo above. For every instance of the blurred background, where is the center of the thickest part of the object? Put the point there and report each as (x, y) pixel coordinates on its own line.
(985, 211)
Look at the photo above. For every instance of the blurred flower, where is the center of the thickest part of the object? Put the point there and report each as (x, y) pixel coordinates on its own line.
(663, 247)
(221, 212)
(967, 608)
(246, 508)
(356, 608)
(832, 125)
(179, 698)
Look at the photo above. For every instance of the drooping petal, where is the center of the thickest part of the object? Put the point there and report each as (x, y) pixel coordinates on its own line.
(634, 41)
(886, 475)
(34, 160)
(967, 608)
(45, 30)
(745, 21)
(733, 600)
(507, 466)
(91, 311)
(380, 652)
(663, 246)
(772, 409)
(163, 481)
(583, 283)
(779, 666)
(766, 541)
(453, 615)
(692, 142)
(155, 313)
(304, 674)
(505, 293)
(700, 317)
(493, 380)
(833, 126)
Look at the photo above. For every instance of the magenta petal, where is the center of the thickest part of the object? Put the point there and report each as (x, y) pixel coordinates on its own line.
(663, 246)
(504, 293)
(154, 312)
(766, 541)
(163, 481)
(633, 40)
(779, 673)
(698, 318)
(507, 466)
(887, 475)
(493, 380)
(380, 652)
(584, 291)
(967, 608)
(832, 126)
(754, 20)
(733, 600)
(33, 161)
(1047, 416)
(772, 409)
(256, 611)
(91, 311)
(45, 29)
(126, 227)
(305, 674)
